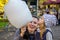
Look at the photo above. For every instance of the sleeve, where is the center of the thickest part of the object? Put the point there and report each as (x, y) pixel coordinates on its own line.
(49, 36)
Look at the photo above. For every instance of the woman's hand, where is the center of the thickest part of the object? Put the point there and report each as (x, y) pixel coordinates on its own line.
(23, 29)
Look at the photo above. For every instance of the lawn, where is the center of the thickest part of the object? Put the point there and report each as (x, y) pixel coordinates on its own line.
(3, 24)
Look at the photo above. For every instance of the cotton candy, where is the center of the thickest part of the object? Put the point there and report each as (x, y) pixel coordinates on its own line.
(18, 13)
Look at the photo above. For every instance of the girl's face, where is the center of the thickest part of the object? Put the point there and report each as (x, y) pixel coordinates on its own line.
(41, 22)
(33, 25)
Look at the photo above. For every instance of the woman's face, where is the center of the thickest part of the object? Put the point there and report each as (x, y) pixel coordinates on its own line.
(41, 22)
(33, 25)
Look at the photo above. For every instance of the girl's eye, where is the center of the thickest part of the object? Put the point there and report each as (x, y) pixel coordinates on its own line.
(31, 22)
(35, 23)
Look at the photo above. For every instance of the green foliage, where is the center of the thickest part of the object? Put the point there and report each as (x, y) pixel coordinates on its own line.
(3, 23)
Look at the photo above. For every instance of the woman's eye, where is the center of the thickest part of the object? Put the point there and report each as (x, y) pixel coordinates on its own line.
(31, 22)
(35, 23)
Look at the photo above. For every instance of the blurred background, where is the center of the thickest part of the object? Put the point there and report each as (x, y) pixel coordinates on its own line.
(32, 4)
(49, 6)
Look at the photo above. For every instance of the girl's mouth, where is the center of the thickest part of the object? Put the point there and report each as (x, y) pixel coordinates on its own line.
(32, 26)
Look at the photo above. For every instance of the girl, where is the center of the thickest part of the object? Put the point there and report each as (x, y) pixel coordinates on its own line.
(45, 34)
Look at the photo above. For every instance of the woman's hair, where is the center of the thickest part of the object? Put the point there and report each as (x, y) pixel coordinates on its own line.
(44, 27)
(35, 16)
(44, 20)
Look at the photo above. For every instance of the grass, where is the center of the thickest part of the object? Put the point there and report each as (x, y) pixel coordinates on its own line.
(3, 24)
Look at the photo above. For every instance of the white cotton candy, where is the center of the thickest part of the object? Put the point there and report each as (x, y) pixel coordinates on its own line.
(18, 13)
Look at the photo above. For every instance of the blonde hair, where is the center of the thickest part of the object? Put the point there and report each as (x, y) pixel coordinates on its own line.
(44, 28)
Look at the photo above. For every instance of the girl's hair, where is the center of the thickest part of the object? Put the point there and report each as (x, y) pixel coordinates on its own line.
(35, 17)
(44, 27)
(44, 20)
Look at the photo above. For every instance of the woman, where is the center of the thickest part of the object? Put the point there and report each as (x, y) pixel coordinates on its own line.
(45, 34)
(28, 32)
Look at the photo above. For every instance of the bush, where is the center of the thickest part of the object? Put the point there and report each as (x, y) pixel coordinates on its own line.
(4, 20)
